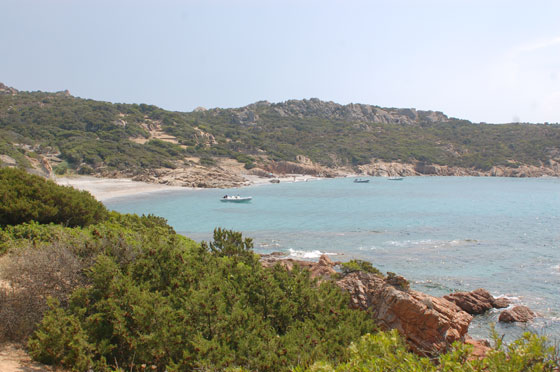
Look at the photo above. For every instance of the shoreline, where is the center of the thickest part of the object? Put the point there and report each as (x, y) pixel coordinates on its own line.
(104, 188)
(108, 188)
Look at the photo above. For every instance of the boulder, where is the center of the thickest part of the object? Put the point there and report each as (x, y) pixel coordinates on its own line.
(429, 324)
(480, 348)
(518, 313)
(324, 268)
(501, 302)
(320, 270)
(477, 301)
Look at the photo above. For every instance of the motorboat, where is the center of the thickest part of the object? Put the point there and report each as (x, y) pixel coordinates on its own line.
(395, 178)
(359, 180)
(236, 199)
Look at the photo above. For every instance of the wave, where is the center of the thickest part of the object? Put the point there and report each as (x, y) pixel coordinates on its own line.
(309, 254)
(431, 243)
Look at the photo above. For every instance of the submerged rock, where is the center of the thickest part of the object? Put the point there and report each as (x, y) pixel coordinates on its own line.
(518, 313)
(501, 302)
(477, 301)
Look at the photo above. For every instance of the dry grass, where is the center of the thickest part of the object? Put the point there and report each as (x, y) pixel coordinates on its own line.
(28, 277)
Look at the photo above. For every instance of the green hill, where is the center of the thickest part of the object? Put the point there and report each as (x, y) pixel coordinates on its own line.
(39, 130)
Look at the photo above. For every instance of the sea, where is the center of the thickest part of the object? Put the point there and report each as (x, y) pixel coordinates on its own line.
(444, 234)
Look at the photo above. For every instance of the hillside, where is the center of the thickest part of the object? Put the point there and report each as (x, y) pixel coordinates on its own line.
(57, 133)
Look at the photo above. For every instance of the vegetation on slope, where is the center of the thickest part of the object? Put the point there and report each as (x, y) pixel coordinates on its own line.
(126, 293)
(25, 197)
(92, 136)
(386, 351)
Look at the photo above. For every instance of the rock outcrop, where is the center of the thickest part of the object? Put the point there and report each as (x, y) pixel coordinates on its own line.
(314, 107)
(355, 112)
(429, 324)
(383, 168)
(4, 89)
(323, 269)
(477, 301)
(518, 313)
(480, 348)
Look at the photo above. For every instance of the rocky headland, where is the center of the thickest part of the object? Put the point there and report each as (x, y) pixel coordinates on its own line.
(429, 324)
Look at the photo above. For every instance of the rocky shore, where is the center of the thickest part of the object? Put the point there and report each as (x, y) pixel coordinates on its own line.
(429, 324)
(228, 173)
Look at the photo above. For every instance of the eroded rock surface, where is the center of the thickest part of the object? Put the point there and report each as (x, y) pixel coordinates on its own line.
(429, 324)
(518, 313)
(477, 301)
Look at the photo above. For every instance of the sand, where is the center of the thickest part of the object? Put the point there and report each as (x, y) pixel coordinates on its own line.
(107, 188)
(14, 359)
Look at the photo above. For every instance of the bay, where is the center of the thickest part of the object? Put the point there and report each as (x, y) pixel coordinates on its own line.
(442, 233)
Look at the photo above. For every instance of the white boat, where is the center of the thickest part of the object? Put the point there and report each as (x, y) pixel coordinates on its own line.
(236, 199)
(359, 180)
(395, 178)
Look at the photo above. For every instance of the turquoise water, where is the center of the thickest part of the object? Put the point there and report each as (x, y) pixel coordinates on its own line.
(443, 233)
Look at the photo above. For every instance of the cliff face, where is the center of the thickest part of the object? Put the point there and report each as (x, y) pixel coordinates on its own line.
(333, 111)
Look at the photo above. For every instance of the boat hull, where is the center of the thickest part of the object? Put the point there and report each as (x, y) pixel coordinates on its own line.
(240, 200)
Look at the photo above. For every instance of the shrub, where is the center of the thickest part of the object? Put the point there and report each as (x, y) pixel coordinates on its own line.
(358, 265)
(50, 260)
(182, 306)
(386, 351)
(61, 168)
(31, 275)
(25, 197)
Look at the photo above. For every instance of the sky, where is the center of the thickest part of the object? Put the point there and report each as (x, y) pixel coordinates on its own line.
(486, 61)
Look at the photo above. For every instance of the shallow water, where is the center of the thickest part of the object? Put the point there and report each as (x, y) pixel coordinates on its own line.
(443, 233)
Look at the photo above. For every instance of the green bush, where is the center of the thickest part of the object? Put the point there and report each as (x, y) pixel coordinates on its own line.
(50, 260)
(61, 168)
(386, 351)
(358, 265)
(25, 197)
(181, 306)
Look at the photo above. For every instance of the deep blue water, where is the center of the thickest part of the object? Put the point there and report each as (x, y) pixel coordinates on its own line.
(442, 233)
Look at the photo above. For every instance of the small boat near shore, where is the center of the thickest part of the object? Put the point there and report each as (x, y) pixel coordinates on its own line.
(395, 178)
(359, 180)
(236, 199)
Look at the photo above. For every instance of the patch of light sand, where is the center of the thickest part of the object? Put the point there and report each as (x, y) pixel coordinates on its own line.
(106, 188)
(15, 359)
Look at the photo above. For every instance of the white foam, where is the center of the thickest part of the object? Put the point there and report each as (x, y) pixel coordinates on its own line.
(429, 243)
(309, 254)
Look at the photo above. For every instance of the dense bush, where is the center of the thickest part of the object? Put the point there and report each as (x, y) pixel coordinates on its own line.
(180, 306)
(25, 197)
(51, 260)
(386, 351)
(358, 265)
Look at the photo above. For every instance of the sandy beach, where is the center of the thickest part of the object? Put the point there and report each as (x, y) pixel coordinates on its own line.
(107, 188)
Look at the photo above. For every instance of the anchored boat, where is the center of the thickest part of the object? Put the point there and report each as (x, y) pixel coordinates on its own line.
(359, 180)
(236, 199)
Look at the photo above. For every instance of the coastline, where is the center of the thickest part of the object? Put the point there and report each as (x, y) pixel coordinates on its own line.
(108, 188)
(103, 188)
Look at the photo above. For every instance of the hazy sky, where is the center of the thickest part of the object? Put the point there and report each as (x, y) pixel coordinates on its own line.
(493, 61)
